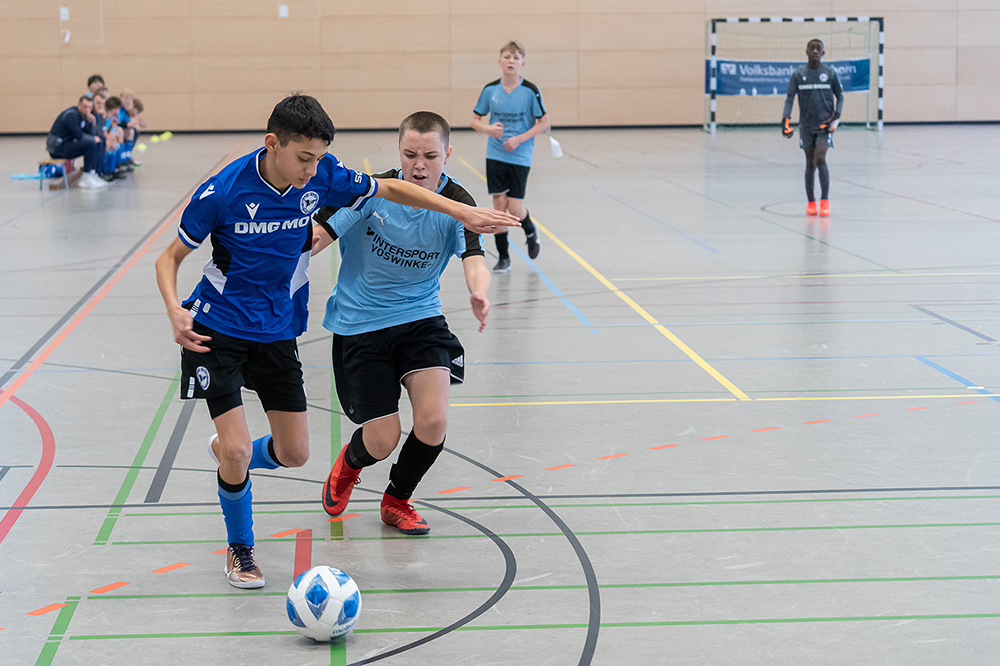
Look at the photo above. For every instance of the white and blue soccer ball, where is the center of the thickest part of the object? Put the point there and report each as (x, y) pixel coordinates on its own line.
(323, 603)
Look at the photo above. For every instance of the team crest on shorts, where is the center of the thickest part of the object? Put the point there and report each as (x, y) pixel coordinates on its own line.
(308, 202)
(204, 379)
(823, 77)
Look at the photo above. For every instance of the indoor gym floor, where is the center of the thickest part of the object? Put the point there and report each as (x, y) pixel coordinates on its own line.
(701, 428)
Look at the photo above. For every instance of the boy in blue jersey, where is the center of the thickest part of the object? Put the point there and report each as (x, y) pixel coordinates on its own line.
(821, 101)
(239, 326)
(517, 116)
(388, 330)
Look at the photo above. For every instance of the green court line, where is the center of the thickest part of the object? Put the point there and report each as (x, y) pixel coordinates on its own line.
(607, 586)
(287, 539)
(604, 625)
(140, 457)
(59, 630)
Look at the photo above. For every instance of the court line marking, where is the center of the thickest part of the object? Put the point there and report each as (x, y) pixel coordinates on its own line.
(41, 472)
(958, 378)
(171, 567)
(340, 519)
(786, 399)
(303, 553)
(46, 609)
(812, 276)
(690, 353)
(59, 629)
(110, 587)
(554, 289)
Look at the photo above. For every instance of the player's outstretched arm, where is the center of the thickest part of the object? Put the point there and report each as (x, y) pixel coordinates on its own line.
(477, 220)
(477, 279)
(166, 279)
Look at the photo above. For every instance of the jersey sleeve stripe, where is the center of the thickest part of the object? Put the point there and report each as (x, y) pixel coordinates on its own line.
(360, 200)
(187, 239)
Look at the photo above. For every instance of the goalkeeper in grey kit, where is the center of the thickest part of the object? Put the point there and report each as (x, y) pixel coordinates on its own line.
(821, 101)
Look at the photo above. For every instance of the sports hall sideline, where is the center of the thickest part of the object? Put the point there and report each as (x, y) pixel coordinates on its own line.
(700, 428)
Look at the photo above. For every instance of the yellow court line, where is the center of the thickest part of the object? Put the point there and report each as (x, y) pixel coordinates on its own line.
(690, 353)
(368, 167)
(797, 277)
(631, 402)
(635, 306)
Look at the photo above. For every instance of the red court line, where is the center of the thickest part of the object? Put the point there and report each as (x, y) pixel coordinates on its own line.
(662, 446)
(614, 455)
(47, 609)
(812, 422)
(968, 402)
(221, 551)
(303, 552)
(288, 532)
(716, 437)
(766, 429)
(171, 567)
(861, 416)
(108, 588)
(508, 478)
(452, 490)
(913, 409)
(44, 465)
(339, 519)
(552, 469)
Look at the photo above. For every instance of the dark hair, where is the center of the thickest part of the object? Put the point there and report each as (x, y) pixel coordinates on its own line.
(300, 115)
(138, 105)
(88, 97)
(821, 45)
(112, 103)
(95, 77)
(423, 122)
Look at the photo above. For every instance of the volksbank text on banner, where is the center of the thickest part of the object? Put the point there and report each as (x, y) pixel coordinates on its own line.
(770, 77)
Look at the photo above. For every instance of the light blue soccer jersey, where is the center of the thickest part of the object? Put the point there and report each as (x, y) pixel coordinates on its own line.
(518, 111)
(256, 285)
(392, 258)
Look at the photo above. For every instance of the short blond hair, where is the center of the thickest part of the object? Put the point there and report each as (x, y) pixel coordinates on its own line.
(512, 47)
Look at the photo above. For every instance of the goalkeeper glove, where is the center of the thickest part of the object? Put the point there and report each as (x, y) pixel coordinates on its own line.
(786, 128)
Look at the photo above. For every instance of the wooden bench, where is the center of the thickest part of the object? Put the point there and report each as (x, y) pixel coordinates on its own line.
(65, 165)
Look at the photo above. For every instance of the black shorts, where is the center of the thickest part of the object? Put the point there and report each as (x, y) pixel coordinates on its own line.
(272, 369)
(506, 178)
(369, 367)
(808, 138)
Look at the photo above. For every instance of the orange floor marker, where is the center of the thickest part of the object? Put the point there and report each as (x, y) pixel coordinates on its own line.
(716, 437)
(662, 446)
(108, 588)
(766, 429)
(552, 469)
(812, 422)
(913, 409)
(614, 455)
(452, 490)
(221, 551)
(171, 567)
(861, 416)
(47, 609)
(968, 402)
(508, 478)
(344, 517)
(287, 533)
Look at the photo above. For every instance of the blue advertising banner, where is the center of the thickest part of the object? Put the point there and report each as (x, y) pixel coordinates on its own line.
(770, 77)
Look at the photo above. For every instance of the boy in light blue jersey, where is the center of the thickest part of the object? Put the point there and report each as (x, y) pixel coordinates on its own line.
(517, 116)
(388, 330)
(239, 326)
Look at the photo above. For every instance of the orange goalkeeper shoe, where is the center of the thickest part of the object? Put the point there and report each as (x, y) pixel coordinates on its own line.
(824, 207)
(811, 208)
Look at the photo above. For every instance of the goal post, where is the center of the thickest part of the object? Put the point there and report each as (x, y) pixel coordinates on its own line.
(748, 62)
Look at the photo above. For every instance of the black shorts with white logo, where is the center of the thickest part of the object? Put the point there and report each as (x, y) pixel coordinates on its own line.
(272, 369)
(369, 367)
(808, 138)
(506, 178)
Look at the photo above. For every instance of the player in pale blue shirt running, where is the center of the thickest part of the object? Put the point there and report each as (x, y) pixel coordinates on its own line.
(388, 329)
(239, 326)
(517, 116)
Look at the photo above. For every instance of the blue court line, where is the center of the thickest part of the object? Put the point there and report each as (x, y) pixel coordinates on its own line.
(957, 378)
(794, 321)
(555, 290)
(660, 222)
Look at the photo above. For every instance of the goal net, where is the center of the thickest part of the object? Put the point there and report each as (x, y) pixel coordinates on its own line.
(748, 62)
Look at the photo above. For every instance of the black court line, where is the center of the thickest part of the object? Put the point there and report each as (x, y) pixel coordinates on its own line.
(594, 620)
(953, 323)
(510, 574)
(21, 362)
(3, 472)
(170, 453)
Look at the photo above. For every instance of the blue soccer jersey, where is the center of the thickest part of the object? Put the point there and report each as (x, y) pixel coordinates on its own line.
(392, 258)
(517, 110)
(255, 286)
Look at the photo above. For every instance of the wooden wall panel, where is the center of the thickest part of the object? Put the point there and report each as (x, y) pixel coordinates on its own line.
(224, 64)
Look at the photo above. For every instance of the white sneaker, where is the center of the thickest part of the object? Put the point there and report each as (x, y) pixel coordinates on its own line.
(211, 451)
(91, 181)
